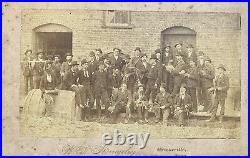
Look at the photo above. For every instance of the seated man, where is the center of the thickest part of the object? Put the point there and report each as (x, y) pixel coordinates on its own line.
(163, 104)
(141, 104)
(48, 87)
(70, 83)
(182, 104)
(119, 102)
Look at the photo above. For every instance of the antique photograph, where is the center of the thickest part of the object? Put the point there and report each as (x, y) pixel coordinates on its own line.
(139, 74)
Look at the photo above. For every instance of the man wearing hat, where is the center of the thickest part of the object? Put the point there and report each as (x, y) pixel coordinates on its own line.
(85, 88)
(70, 83)
(100, 88)
(99, 55)
(167, 54)
(163, 104)
(67, 64)
(178, 73)
(116, 60)
(182, 105)
(26, 67)
(179, 50)
(57, 69)
(206, 75)
(191, 55)
(153, 79)
(220, 88)
(109, 70)
(38, 69)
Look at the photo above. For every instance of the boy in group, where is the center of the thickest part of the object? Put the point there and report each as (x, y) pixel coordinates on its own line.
(141, 104)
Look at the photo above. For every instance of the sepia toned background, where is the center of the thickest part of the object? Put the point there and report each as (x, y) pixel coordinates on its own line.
(215, 30)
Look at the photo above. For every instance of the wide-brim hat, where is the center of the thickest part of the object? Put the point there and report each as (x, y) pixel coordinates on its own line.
(221, 66)
(73, 63)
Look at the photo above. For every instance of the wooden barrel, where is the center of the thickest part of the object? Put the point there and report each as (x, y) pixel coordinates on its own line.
(34, 104)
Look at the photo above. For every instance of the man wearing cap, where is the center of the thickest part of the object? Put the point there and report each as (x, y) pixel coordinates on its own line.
(57, 69)
(220, 88)
(116, 60)
(70, 82)
(206, 74)
(191, 79)
(85, 89)
(178, 72)
(100, 88)
(153, 79)
(26, 67)
(99, 55)
(182, 105)
(163, 104)
(38, 69)
(191, 55)
(66, 66)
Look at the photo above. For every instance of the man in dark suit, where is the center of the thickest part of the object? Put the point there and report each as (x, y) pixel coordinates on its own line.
(70, 82)
(191, 54)
(178, 72)
(66, 66)
(85, 89)
(116, 60)
(27, 71)
(220, 88)
(182, 104)
(101, 80)
(192, 78)
(206, 75)
(38, 69)
(57, 68)
(167, 55)
(180, 51)
(153, 79)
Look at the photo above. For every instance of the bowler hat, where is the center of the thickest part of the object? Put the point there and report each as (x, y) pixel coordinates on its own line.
(177, 44)
(84, 61)
(29, 50)
(157, 51)
(73, 63)
(222, 67)
(91, 54)
(138, 48)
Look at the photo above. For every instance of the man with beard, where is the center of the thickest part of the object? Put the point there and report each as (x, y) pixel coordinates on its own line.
(38, 69)
(57, 68)
(66, 66)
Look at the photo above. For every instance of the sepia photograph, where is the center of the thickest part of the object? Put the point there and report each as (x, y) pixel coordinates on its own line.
(126, 77)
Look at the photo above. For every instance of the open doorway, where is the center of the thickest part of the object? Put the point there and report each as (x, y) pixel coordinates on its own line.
(52, 39)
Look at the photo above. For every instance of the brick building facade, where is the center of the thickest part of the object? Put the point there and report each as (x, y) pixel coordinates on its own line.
(217, 34)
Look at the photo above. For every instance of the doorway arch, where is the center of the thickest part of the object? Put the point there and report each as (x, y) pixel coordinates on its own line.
(52, 39)
(176, 34)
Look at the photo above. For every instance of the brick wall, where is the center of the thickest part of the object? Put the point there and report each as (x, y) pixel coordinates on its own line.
(218, 34)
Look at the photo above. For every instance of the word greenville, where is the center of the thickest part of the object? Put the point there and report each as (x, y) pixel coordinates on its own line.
(118, 138)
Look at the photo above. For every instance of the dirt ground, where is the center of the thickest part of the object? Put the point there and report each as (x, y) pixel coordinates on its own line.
(196, 128)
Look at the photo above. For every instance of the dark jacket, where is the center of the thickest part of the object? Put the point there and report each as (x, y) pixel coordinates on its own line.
(222, 82)
(39, 68)
(65, 67)
(192, 80)
(45, 84)
(84, 78)
(26, 66)
(101, 79)
(179, 102)
(178, 68)
(192, 57)
(207, 78)
(69, 79)
(117, 63)
(166, 100)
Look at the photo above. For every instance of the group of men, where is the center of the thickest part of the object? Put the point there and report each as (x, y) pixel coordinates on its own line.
(170, 83)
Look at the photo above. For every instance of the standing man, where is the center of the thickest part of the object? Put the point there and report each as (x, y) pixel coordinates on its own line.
(192, 83)
(116, 60)
(178, 72)
(180, 51)
(191, 55)
(66, 66)
(167, 55)
(206, 75)
(27, 71)
(57, 68)
(143, 67)
(220, 88)
(38, 69)
(153, 79)
(99, 55)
